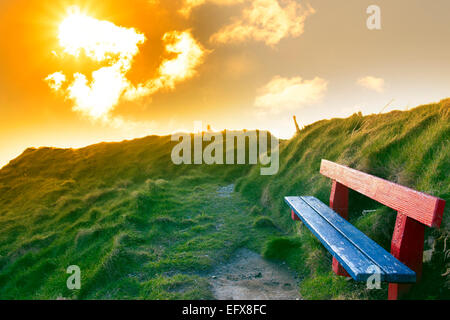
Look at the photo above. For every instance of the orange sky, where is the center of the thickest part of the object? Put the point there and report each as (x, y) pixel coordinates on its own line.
(229, 63)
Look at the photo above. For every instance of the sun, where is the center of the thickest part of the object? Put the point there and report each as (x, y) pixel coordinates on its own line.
(100, 40)
(114, 47)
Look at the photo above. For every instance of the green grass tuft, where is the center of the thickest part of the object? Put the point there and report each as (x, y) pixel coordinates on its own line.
(263, 222)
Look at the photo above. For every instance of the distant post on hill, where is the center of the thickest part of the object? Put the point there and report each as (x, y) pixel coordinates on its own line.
(296, 125)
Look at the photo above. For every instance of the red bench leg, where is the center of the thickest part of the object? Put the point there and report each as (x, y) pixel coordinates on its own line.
(294, 216)
(407, 246)
(339, 203)
(339, 269)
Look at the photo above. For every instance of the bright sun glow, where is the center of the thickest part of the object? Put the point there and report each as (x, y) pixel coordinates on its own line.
(116, 46)
(100, 40)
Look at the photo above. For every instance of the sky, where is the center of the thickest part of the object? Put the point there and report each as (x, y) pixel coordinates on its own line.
(78, 72)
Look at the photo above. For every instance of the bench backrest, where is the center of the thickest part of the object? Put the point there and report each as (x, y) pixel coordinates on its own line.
(419, 206)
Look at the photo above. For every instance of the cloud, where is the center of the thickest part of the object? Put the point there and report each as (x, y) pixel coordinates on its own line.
(188, 5)
(189, 54)
(97, 98)
(56, 80)
(372, 83)
(116, 46)
(267, 21)
(286, 94)
(100, 40)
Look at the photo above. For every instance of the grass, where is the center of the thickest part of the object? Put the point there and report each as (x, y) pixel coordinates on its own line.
(140, 227)
(153, 241)
(411, 148)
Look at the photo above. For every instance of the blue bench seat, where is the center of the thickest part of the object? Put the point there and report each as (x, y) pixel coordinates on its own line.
(356, 252)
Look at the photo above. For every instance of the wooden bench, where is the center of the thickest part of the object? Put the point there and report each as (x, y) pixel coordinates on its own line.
(355, 254)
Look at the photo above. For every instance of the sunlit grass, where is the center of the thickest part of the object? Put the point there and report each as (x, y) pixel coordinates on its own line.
(140, 227)
(411, 148)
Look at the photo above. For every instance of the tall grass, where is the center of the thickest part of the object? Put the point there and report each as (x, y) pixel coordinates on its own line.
(140, 227)
(411, 148)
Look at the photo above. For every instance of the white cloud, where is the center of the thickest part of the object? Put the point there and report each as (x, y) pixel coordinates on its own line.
(372, 83)
(286, 94)
(116, 46)
(267, 21)
(188, 5)
(189, 54)
(56, 80)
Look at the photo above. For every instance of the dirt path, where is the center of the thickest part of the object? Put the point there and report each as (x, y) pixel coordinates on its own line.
(225, 192)
(247, 276)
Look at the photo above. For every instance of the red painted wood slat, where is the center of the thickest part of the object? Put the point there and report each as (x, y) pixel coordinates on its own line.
(419, 206)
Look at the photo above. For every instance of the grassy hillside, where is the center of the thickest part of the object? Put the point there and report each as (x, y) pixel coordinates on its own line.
(411, 148)
(140, 227)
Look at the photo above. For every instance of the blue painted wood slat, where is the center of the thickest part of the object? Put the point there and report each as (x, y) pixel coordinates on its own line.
(395, 270)
(352, 248)
(353, 260)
